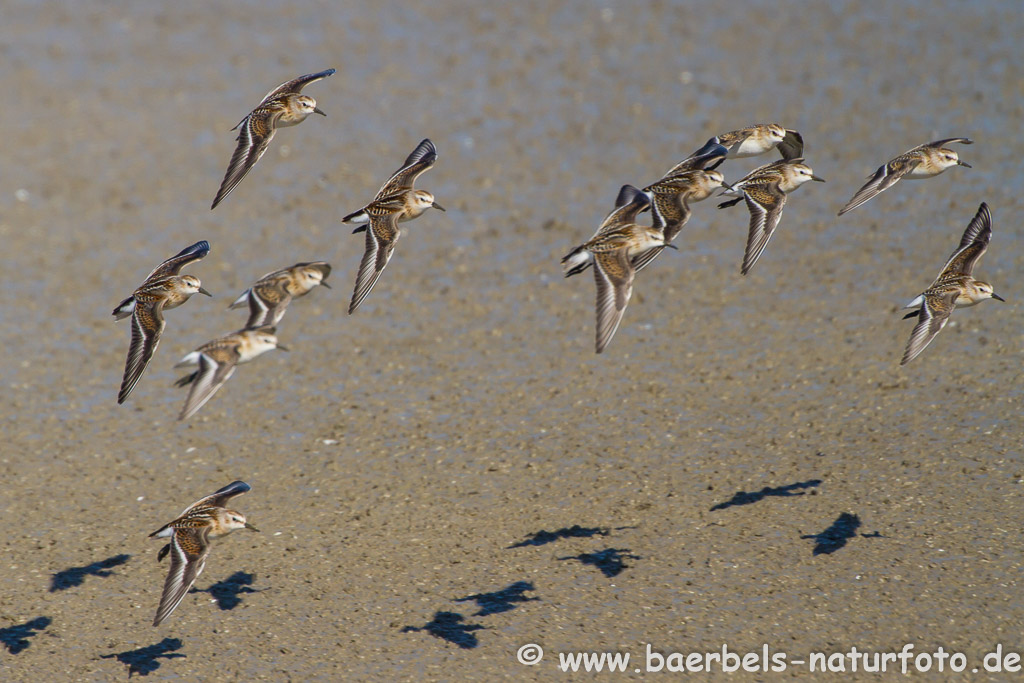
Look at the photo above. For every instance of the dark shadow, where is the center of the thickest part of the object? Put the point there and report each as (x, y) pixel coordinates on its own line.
(500, 601)
(575, 531)
(448, 626)
(74, 576)
(835, 537)
(226, 592)
(611, 561)
(745, 498)
(15, 638)
(144, 660)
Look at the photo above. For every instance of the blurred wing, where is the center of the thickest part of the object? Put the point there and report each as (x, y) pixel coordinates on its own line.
(765, 203)
(614, 277)
(147, 326)
(884, 178)
(627, 195)
(628, 204)
(255, 135)
(215, 367)
(792, 145)
(173, 265)
(421, 159)
(644, 258)
(943, 143)
(189, 549)
(381, 237)
(267, 303)
(222, 496)
(296, 85)
(706, 158)
(972, 245)
(935, 311)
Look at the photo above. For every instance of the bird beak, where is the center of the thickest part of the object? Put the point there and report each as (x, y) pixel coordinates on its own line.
(250, 526)
(320, 111)
(203, 291)
(671, 246)
(324, 284)
(726, 185)
(998, 298)
(820, 180)
(438, 207)
(963, 163)
(282, 347)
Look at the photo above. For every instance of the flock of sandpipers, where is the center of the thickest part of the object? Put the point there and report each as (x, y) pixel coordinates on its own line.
(619, 249)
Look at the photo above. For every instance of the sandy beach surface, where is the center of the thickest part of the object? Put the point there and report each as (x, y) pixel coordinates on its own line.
(451, 473)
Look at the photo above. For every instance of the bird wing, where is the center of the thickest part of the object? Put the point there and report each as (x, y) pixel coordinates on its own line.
(765, 203)
(381, 237)
(296, 85)
(885, 177)
(216, 365)
(221, 497)
(669, 207)
(421, 159)
(254, 136)
(706, 158)
(173, 265)
(613, 274)
(147, 326)
(935, 312)
(628, 204)
(792, 145)
(972, 245)
(189, 550)
(267, 302)
(943, 143)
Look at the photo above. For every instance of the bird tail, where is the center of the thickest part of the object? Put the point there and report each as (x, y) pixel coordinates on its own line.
(576, 261)
(125, 308)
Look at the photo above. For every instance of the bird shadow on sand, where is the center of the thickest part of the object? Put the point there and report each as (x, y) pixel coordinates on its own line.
(75, 576)
(750, 497)
(543, 537)
(15, 638)
(500, 601)
(611, 561)
(145, 660)
(449, 626)
(836, 536)
(226, 593)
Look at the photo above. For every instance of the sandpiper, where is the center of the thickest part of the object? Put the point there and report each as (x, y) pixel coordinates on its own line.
(924, 161)
(190, 534)
(269, 296)
(670, 198)
(162, 290)
(217, 360)
(955, 286)
(395, 202)
(612, 250)
(758, 139)
(765, 190)
(283, 106)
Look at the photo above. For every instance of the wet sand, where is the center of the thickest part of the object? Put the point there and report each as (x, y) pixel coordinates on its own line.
(405, 460)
